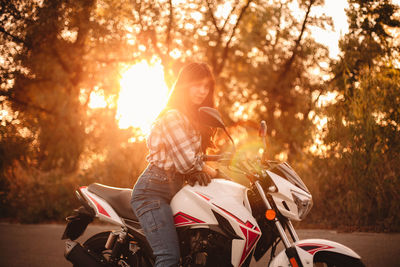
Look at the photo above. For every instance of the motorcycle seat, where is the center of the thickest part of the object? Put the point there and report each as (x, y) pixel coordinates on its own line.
(118, 198)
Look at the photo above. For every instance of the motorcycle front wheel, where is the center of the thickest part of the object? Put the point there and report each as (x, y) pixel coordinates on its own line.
(96, 244)
(331, 259)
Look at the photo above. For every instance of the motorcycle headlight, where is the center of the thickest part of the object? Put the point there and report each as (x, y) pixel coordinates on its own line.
(304, 204)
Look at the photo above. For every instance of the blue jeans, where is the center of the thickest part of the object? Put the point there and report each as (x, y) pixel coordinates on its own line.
(150, 201)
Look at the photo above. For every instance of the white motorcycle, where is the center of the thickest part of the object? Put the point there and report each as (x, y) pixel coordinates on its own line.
(222, 224)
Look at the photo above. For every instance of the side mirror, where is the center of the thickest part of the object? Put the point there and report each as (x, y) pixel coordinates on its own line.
(211, 117)
(262, 132)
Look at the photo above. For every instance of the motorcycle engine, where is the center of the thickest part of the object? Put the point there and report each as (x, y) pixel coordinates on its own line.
(202, 247)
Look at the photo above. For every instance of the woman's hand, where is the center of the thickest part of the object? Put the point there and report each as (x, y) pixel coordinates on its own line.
(215, 173)
(199, 176)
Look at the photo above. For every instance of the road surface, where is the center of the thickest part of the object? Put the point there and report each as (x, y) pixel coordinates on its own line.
(41, 245)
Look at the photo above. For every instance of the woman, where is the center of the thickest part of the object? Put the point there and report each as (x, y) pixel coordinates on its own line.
(176, 143)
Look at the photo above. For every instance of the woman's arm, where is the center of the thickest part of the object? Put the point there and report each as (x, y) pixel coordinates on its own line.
(179, 144)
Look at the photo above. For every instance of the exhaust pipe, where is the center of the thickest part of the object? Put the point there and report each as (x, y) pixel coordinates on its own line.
(80, 256)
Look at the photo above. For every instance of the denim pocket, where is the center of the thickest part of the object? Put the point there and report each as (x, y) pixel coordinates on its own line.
(146, 206)
(148, 213)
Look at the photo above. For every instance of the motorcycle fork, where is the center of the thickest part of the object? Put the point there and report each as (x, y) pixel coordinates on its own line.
(291, 251)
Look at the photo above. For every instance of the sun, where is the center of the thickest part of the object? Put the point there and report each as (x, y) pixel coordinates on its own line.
(142, 96)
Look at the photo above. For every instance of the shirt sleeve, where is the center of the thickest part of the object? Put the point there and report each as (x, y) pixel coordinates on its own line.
(179, 143)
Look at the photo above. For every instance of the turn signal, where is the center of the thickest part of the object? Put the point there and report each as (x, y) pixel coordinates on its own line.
(270, 215)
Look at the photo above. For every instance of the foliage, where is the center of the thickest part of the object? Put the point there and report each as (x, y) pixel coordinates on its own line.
(360, 170)
(276, 82)
(35, 196)
(57, 53)
(48, 77)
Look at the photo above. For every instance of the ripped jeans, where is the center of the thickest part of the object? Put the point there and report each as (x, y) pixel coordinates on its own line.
(150, 202)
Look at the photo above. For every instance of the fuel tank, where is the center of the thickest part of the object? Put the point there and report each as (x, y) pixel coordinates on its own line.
(194, 206)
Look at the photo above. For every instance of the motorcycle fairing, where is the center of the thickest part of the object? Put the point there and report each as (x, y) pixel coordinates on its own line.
(285, 171)
(194, 206)
(103, 210)
(308, 248)
(183, 219)
(283, 198)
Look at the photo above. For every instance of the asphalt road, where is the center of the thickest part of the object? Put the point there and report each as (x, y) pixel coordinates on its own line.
(41, 245)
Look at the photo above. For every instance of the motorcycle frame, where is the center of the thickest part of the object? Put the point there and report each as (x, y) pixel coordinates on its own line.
(293, 255)
(298, 253)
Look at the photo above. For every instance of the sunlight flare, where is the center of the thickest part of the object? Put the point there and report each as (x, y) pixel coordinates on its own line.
(97, 99)
(142, 96)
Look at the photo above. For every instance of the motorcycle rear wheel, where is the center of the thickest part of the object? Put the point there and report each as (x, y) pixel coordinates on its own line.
(96, 244)
(331, 259)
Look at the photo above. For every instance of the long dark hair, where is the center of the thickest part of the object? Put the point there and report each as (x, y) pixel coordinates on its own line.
(179, 98)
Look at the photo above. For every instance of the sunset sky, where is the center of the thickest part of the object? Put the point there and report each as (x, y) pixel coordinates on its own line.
(336, 10)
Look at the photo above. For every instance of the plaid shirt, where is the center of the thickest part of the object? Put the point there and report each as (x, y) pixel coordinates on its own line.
(174, 144)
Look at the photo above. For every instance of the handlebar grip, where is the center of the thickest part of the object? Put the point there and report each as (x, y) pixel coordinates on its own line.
(212, 157)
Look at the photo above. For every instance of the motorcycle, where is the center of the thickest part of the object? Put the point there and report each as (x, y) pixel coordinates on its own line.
(222, 224)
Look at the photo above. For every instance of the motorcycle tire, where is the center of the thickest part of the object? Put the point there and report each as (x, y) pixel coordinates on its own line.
(331, 259)
(96, 244)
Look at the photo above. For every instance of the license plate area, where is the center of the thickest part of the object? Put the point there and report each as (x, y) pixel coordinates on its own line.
(77, 223)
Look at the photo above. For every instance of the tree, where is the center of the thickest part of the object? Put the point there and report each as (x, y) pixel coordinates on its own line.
(47, 76)
(46, 90)
(361, 164)
(271, 73)
(58, 53)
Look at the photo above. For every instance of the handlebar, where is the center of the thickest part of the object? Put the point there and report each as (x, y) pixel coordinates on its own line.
(222, 158)
(212, 157)
(246, 167)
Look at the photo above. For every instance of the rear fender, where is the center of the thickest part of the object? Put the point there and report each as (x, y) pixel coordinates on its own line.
(308, 248)
(102, 209)
(77, 223)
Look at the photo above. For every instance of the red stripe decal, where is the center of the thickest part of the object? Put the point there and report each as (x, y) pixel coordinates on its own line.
(182, 219)
(251, 237)
(312, 248)
(248, 224)
(99, 207)
(251, 240)
(203, 196)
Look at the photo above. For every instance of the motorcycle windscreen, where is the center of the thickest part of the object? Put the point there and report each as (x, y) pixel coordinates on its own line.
(285, 171)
